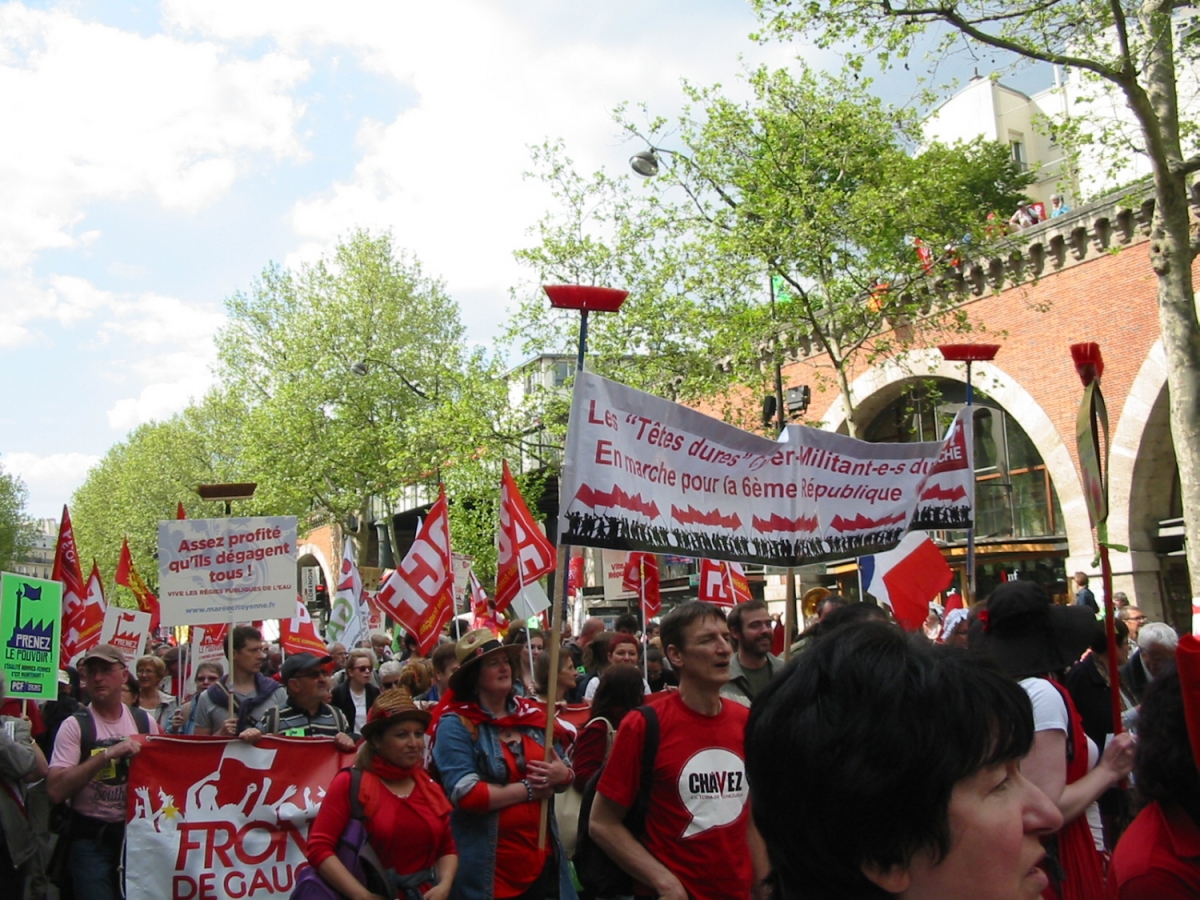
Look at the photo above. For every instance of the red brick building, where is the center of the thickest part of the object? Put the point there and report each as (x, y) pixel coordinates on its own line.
(1084, 276)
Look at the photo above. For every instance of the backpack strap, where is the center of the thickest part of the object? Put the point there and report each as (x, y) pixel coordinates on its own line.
(356, 807)
(142, 719)
(270, 721)
(649, 754)
(87, 733)
(340, 717)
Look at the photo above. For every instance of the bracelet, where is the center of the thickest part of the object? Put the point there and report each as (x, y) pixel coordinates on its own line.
(528, 790)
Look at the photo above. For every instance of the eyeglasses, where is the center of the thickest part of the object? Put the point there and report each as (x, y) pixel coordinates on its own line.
(206, 679)
(1138, 619)
(360, 669)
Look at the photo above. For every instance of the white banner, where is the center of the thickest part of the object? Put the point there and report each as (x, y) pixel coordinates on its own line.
(226, 570)
(613, 563)
(127, 630)
(643, 473)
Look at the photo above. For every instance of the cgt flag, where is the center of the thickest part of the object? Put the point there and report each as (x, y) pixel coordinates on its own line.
(642, 577)
(723, 583)
(525, 554)
(80, 623)
(420, 593)
(94, 607)
(299, 635)
(127, 576)
(907, 578)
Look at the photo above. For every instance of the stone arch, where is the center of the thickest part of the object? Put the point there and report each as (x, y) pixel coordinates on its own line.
(882, 384)
(1138, 493)
(318, 555)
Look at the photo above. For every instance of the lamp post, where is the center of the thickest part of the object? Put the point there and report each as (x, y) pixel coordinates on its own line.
(969, 353)
(586, 299)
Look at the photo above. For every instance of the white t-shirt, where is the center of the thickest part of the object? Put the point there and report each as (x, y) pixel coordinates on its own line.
(360, 710)
(1050, 714)
(104, 796)
(589, 693)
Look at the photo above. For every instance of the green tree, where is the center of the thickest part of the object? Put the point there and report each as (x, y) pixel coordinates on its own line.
(143, 479)
(1133, 49)
(16, 530)
(811, 184)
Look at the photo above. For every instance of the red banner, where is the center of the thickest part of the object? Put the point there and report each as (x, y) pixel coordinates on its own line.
(128, 576)
(641, 577)
(211, 818)
(723, 583)
(80, 622)
(525, 555)
(420, 593)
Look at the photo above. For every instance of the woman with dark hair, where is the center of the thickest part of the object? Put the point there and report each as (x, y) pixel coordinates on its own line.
(1034, 641)
(406, 814)
(882, 766)
(595, 662)
(489, 748)
(658, 676)
(621, 690)
(622, 650)
(1158, 857)
(541, 677)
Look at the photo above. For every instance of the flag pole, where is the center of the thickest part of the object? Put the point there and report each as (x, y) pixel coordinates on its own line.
(645, 615)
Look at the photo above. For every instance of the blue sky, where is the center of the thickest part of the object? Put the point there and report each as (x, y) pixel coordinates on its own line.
(158, 155)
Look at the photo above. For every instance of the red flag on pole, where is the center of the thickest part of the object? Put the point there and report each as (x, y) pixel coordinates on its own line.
(179, 511)
(723, 583)
(299, 635)
(420, 593)
(575, 575)
(641, 577)
(525, 553)
(127, 576)
(66, 569)
(482, 607)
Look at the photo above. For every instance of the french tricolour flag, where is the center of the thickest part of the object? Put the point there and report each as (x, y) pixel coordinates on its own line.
(907, 577)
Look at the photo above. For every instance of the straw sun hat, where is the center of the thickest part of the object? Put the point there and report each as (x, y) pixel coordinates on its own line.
(473, 646)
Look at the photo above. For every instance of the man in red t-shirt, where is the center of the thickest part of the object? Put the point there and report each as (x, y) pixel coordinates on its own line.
(699, 841)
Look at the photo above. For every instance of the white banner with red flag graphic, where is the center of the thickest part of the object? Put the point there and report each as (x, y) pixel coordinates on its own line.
(299, 635)
(81, 621)
(211, 818)
(127, 630)
(723, 583)
(208, 646)
(525, 554)
(643, 473)
(419, 594)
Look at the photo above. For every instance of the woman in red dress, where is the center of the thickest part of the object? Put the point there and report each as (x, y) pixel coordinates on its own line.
(407, 815)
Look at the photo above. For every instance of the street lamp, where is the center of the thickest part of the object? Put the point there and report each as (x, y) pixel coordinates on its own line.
(227, 493)
(363, 367)
(969, 353)
(645, 163)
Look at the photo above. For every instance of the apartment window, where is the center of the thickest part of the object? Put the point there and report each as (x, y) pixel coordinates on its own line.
(1016, 144)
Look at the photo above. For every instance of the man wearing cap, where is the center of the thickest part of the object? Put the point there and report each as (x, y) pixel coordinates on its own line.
(92, 775)
(307, 711)
(253, 692)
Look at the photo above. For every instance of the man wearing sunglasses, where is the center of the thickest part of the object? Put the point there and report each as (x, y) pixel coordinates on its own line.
(307, 712)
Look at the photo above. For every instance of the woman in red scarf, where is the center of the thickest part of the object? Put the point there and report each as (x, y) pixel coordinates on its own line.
(407, 816)
(490, 754)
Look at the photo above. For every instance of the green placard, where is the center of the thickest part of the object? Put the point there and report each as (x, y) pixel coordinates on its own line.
(30, 621)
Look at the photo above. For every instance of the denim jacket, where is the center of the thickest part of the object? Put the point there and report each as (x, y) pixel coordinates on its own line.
(462, 762)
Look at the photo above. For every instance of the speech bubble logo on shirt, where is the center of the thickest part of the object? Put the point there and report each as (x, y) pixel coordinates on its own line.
(712, 787)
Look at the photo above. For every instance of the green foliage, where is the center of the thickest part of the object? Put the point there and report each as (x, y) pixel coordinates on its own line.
(15, 527)
(812, 183)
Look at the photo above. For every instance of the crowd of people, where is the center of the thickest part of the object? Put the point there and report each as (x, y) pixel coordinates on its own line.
(974, 759)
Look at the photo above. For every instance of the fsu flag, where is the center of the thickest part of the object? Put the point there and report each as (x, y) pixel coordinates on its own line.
(641, 577)
(907, 578)
(127, 576)
(420, 593)
(298, 634)
(525, 553)
(723, 583)
(76, 624)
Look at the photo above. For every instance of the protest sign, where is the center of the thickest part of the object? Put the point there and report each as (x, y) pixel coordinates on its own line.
(612, 564)
(208, 646)
(127, 630)
(643, 473)
(30, 623)
(227, 570)
(211, 818)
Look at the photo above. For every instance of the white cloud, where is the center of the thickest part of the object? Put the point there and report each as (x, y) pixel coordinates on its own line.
(96, 113)
(50, 478)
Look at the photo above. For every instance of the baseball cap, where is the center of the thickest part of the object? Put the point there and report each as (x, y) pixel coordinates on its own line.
(105, 652)
(296, 665)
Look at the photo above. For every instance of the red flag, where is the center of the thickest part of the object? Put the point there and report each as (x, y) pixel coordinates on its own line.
(723, 583)
(127, 576)
(641, 577)
(299, 635)
(525, 553)
(75, 617)
(179, 512)
(483, 608)
(575, 575)
(778, 639)
(420, 593)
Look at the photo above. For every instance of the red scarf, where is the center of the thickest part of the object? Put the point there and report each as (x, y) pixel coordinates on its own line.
(528, 714)
(423, 785)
